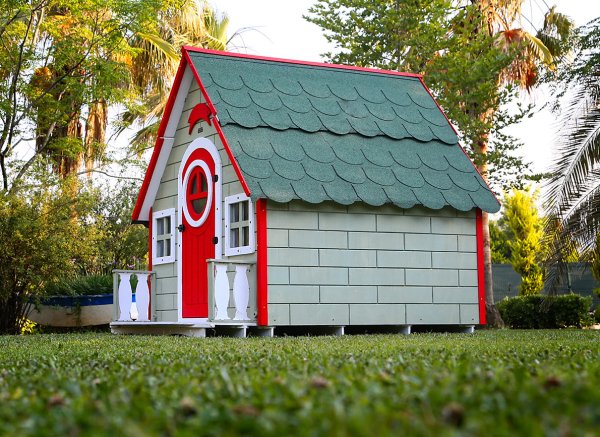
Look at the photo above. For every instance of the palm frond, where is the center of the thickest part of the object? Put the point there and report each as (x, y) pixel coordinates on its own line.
(159, 44)
(539, 50)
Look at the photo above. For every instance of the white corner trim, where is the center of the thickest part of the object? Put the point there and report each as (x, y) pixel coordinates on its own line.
(206, 144)
(167, 145)
(156, 215)
(243, 250)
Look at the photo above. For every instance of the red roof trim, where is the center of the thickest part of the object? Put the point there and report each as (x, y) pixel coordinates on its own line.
(459, 145)
(297, 62)
(234, 163)
(159, 142)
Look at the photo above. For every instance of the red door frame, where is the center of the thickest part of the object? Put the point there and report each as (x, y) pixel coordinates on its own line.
(197, 148)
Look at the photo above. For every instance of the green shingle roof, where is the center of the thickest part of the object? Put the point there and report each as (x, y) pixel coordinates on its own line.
(327, 134)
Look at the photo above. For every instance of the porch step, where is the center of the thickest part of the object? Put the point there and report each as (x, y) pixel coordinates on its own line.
(161, 328)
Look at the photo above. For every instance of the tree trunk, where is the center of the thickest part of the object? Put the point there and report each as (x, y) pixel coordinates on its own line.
(494, 320)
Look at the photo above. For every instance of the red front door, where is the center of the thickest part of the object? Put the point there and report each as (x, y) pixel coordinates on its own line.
(197, 215)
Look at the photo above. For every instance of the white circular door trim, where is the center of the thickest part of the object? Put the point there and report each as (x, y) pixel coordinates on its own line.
(207, 208)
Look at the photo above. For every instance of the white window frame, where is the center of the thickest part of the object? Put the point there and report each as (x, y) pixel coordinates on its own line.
(158, 215)
(251, 247)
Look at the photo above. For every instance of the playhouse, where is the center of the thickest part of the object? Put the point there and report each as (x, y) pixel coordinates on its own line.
(289, 193)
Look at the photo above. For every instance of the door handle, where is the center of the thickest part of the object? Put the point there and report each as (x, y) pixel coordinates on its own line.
(181, 228)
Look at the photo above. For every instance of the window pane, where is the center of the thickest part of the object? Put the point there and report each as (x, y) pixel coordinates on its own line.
(167, 246)
(198, 205)
(245, 236)
(194, 185)
(204, 187)
(167, 229)
(160, 248)
(244, 210)
(160, 226)
(234, 237)
(234, 213)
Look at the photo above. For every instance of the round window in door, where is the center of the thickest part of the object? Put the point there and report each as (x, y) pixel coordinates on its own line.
(198, 193)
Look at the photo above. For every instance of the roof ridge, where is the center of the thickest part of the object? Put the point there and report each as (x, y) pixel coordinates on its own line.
(297, 62)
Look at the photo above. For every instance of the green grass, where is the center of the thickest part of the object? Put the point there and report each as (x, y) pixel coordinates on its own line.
(490, 383)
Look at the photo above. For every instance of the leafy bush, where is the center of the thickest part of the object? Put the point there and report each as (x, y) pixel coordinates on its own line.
(42, 241)
(81, 286)
(546, 312)
(597, 315)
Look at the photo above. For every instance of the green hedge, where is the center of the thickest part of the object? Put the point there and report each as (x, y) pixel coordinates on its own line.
(81, 286)
(546, 312)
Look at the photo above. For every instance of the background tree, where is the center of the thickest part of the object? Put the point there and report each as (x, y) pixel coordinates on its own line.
(121, 244)
(474, 55)
(500, 237)
(61, 65)
(523, 220)
(573, 199)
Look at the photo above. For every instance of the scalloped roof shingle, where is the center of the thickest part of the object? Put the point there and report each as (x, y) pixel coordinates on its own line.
(329, 134)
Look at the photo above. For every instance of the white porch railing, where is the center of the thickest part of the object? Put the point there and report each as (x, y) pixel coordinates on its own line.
(126, 310)
(227, 303)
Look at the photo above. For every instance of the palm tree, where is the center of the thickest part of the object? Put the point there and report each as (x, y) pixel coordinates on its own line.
(153, 70)
(502, 21)
(152, 58)
(573, 197)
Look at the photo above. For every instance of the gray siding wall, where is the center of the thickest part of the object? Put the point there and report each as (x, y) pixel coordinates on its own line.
(166, 290)
(361, 265)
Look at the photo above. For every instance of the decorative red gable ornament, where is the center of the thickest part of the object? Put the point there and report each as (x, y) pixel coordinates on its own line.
(200, 112)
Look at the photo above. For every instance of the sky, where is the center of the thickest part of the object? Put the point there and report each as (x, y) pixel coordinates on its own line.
(276, 28)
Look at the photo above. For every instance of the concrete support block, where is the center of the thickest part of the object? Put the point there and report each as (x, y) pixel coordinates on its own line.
(404, 329)
(262, 331)
(470, 329)
(232, 331)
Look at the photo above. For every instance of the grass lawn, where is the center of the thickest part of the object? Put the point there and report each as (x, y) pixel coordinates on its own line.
(490, 383)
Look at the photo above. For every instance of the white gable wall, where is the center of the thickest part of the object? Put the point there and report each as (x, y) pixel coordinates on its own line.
(166, 197)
